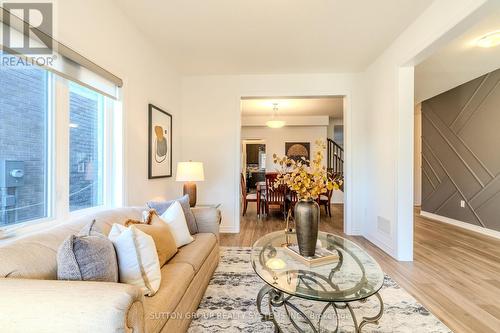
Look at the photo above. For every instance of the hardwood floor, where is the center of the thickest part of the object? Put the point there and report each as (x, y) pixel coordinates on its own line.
(455, 273)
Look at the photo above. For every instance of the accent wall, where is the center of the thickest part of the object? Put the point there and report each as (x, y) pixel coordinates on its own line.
(460, 159)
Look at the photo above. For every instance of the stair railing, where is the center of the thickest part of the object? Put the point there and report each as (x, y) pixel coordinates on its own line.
(335, 158)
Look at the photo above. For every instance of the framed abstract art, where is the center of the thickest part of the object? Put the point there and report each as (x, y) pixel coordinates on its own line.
(160, 143)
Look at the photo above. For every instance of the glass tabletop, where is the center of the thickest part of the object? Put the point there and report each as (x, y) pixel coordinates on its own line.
(355, 276)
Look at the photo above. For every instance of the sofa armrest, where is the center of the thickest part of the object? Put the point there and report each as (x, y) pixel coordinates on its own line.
(70, 306)
(207, 219)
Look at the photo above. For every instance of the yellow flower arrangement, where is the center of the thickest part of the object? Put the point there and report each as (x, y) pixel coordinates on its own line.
(309, 179)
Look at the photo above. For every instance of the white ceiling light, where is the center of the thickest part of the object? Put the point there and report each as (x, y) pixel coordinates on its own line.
(489, 40)
(275, 123)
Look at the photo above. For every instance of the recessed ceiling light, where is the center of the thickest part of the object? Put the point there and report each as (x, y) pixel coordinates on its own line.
(73, 125)
(489, 40)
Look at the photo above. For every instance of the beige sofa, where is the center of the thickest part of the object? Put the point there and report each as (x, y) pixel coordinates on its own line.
(32, 300)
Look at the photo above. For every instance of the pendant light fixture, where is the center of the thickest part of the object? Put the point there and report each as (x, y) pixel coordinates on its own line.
(274, 122)
(489, 40)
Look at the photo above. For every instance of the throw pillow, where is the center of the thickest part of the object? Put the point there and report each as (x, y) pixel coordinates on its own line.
(162, 236)
(88, 256)
(174, 218)
(162, 206)
(138, 262)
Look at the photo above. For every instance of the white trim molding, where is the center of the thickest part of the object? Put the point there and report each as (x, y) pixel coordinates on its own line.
(460, 224)
(290, 120)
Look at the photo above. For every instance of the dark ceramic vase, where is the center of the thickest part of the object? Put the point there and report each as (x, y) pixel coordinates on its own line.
(306, 225)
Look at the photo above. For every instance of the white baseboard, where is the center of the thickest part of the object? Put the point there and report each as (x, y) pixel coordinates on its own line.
(337, 197)
(354, 232)
(229, 229)
(383, 244)
(464, 225)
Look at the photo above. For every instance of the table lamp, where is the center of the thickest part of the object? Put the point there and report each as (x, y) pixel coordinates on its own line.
(190, 172)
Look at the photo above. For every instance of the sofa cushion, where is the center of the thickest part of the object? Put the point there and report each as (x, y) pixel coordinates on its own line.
(34, 256)
(176, 278)
(88, 256)
(162, 206)
(196, 252)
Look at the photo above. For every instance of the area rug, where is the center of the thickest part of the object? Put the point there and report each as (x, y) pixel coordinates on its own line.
(229, 305)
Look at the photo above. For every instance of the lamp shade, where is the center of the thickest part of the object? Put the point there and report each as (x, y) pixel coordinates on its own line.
(190, 172)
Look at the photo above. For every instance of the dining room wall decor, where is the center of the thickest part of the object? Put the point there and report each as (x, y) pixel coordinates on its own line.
(297, 150)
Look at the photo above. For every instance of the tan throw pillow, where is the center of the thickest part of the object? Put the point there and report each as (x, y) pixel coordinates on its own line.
(161, 234)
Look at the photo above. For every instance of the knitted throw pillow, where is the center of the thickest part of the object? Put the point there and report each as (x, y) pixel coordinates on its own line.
(88, 256)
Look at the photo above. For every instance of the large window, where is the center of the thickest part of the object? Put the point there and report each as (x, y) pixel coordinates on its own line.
(24, 144)
(53, 138)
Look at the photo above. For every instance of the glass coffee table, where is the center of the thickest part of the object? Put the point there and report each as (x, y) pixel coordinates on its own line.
(355, 277)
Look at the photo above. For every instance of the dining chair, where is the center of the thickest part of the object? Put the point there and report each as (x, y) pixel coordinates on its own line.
(261, 197)
(248, 197)
(291, 200)
(325, 200)
(275, 196)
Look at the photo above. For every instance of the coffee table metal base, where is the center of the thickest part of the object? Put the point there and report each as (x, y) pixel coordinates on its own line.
(279, 299)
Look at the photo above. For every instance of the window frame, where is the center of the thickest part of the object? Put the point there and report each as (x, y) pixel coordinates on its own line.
(62, 128)
(58, 162)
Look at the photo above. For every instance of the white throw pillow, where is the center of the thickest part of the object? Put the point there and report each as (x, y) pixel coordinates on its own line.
(138, 262)
(175, 219)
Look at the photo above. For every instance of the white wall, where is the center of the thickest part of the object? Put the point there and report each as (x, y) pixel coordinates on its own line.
(275, 139)
(332, 122)
(98, 30)
(389, 217)
(211, 109)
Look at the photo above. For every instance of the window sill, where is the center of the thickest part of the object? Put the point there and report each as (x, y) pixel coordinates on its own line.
(87, 211)
(16, 231)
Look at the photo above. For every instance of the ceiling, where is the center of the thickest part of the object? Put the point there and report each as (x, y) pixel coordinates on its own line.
(299, 106)
(279, 36)
(459, 61)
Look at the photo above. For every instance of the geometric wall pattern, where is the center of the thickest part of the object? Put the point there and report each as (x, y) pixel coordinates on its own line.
(461, 152)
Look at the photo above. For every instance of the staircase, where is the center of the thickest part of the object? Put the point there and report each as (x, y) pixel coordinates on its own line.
(335, 160)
